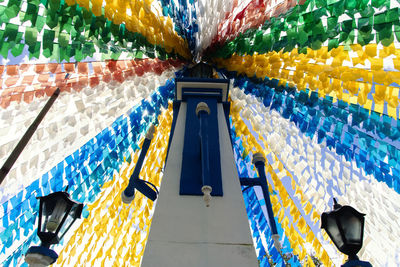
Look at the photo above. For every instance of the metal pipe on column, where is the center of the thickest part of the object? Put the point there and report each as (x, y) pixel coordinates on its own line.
(134, 182)
(203, 111)
(259, 162)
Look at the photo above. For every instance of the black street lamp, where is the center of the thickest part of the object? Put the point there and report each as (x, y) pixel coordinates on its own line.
(57, 213)
(345, 226)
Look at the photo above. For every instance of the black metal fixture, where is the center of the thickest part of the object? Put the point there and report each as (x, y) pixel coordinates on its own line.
(57, 213)
(345, 226)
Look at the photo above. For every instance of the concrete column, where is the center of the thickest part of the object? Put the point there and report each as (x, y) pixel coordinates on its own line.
(185, 232)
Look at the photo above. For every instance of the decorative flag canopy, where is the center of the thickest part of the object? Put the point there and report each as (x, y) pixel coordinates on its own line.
(315, 89)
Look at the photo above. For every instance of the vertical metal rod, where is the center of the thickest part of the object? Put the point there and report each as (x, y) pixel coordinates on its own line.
(202, 111)
(205, 157)
(130, 189)
(260, 165)
(26, 137)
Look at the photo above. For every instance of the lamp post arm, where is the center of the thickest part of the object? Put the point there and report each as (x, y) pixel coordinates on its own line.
(250, 181)
(264, 185)
(261, 181)
(130, 189)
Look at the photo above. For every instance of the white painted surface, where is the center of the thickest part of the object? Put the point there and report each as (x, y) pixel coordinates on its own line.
(185, 232)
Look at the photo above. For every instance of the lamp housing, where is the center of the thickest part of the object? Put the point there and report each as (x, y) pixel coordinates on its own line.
(345, 226)
(57, 213)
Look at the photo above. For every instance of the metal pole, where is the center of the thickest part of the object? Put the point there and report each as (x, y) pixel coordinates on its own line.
(202, 111)
(205, 158)
(264, 185)
(130, 189)
(26, 137)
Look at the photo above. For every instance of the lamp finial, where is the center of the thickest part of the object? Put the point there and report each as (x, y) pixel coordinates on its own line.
(336, 205)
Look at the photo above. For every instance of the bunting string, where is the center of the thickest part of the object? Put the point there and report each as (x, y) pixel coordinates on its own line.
(276, 172)
(127, 224)
(322, 175)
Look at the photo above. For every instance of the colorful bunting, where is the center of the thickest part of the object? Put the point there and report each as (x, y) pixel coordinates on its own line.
(316, 90)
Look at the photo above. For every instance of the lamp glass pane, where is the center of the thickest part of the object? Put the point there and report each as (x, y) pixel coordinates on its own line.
(46, 211)
(333, 230)
(56, 211)
(68, 222)
(351, 227)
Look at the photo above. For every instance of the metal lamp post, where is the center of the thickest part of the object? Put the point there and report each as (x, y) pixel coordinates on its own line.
(345, 226)
(134, 182)
(57, 213)
(259, 162)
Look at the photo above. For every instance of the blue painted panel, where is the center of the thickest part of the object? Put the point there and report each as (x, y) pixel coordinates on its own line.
(191, 180)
